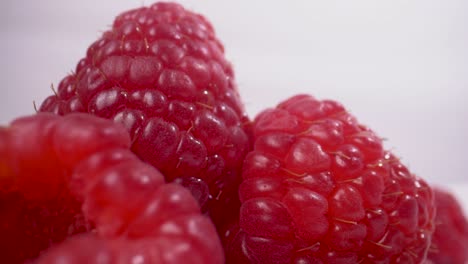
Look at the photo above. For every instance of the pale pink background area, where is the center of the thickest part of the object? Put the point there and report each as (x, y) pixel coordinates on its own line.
(400, 66)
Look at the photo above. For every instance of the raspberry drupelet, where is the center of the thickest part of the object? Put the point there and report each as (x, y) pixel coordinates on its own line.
(60, 174)
(319, 188)
(161, 71)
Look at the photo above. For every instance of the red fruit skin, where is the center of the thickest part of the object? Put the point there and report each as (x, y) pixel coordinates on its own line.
(28, 227)
(86, 174)
(319, 188)
(161, 71)
(169, 230)
(36, 206)
(450, 240)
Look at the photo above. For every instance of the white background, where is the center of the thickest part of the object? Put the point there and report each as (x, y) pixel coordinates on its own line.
(400, 66)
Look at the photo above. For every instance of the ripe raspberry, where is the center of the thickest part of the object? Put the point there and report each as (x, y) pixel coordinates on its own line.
(124, 197)
(161, 72)
(319, 188)
(450, 240)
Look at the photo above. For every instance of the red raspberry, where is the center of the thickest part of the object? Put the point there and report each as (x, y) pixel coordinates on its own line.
(161, 72)
(125, 198)
(319, 188)
(450, 240)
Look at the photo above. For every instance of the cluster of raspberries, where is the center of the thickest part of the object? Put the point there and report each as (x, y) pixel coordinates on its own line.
(145, 154)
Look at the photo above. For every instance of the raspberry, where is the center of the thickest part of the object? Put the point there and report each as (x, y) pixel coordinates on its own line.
(450, 240)
(161, 72)
(319, 188)
(88, 161)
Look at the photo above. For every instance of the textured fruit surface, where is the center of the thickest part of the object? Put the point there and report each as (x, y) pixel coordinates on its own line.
(166, 228)
(450, 241)
(319, 188)
(27, 227)
(88, 158)
(137, 216)
(36, 206)
(161, 72)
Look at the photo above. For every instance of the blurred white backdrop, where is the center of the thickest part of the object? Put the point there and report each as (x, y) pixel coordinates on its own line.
(400, 66)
